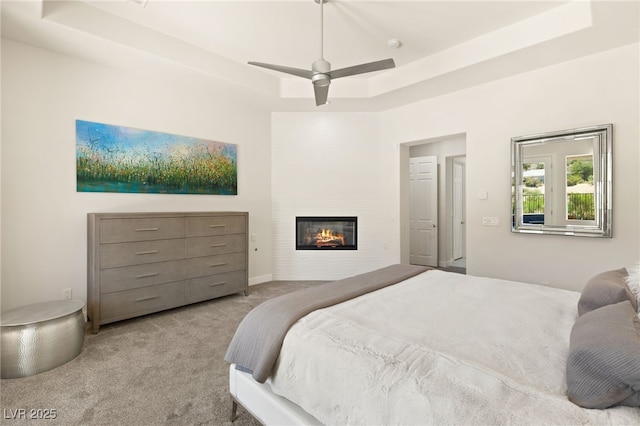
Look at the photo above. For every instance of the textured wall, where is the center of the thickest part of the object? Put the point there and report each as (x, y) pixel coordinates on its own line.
(328, 164)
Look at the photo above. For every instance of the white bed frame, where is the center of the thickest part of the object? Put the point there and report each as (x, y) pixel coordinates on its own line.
(260, 401)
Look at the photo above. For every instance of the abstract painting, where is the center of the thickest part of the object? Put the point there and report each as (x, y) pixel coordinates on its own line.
(122, 159)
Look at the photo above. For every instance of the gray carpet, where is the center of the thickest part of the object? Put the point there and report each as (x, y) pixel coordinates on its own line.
(161, 369)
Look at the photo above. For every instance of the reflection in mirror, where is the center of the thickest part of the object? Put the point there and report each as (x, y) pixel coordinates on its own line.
(561, 182)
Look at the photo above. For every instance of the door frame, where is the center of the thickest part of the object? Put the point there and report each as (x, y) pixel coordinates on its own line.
(458, 204)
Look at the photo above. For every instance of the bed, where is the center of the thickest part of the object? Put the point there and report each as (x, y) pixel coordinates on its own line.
(409, 345)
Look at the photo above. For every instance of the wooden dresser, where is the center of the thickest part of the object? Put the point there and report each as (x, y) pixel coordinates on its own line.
(139, 263)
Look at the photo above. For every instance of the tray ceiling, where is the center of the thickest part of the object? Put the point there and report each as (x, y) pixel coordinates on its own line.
(445, 45)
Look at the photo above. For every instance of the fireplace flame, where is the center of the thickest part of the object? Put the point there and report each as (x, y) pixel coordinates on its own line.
(326, 237)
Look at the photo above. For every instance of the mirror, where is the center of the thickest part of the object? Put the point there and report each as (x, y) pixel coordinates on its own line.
(561, 182)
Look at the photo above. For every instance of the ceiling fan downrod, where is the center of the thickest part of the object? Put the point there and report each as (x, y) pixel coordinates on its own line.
(321, 67)
(321, 3)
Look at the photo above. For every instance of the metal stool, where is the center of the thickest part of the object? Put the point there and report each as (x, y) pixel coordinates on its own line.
(39, 337)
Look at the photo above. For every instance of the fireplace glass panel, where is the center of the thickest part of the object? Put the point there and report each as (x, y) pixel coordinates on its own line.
(326, 233)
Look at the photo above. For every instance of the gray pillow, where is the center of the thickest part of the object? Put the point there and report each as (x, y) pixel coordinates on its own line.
(605, 289)
(603, 367)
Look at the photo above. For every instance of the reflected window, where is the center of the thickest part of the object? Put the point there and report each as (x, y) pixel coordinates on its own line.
(579, 188)
(537, 180)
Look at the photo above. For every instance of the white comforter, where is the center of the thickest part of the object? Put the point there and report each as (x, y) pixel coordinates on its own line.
(439, 348)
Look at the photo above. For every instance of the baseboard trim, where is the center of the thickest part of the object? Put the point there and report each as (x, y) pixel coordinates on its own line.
(260, 279)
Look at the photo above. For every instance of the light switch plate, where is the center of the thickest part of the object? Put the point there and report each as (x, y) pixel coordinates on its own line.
(490, 221)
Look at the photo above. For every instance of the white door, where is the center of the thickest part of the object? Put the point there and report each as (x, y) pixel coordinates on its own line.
(458, 209)
(423, 214)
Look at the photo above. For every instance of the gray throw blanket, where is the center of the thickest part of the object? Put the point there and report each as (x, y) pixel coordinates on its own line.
(256, 345)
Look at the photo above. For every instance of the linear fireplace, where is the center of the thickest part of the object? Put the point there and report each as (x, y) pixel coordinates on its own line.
(326, 233)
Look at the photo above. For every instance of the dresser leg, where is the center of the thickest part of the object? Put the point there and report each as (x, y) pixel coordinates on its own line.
(234, 410)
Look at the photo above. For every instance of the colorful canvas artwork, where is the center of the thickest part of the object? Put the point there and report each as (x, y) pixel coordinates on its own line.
(122, 159)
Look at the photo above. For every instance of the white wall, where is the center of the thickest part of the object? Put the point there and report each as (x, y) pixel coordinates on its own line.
(598, 89)
(328, 164)
(350, 164)
(305, 164)
(44, 218)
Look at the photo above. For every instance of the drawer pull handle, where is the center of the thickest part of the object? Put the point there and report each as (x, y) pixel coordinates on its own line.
(217, 226)
(217, 264)
(147, 252)
(153, 274)
(217, 284)
(144, 299)
(218, 245)
(147, 229)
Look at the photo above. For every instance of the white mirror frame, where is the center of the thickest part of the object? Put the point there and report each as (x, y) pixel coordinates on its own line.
(602, 163)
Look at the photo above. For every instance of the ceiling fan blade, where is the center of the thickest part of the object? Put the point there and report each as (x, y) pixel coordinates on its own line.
(363, 68)
(322, 93)
(289, 70)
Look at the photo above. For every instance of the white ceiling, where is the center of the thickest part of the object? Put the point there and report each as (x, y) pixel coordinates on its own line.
(445, 45)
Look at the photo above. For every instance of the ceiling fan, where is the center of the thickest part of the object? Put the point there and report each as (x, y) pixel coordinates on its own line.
(321, 73)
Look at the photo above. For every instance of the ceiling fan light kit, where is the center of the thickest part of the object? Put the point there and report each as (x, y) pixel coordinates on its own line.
(321, 73)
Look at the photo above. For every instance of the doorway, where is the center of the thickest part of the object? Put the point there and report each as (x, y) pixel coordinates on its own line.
(449, 231)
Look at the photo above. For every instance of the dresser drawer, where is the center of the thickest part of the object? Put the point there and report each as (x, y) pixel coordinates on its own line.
(126, 254)
(203, 288)
(215, 225)
(221, 244)
(210, 265)
(130, 277)
(142, 229)
(140, 301)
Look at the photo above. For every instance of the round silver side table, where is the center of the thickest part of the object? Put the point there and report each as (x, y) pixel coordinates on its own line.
(39, 337)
